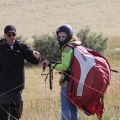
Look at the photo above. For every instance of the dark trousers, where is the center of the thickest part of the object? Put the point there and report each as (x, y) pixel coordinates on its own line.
(11, 105)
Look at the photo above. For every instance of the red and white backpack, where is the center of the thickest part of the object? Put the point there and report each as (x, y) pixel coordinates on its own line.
(89, 81)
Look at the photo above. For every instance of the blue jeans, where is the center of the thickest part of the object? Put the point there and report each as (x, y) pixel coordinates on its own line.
(68, 110)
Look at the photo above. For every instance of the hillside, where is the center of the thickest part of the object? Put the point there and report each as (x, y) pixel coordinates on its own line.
(43, 16)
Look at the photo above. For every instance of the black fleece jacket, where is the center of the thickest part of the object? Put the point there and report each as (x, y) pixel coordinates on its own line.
(12, 76)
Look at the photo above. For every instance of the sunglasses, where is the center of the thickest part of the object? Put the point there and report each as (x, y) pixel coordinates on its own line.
(8, 35)
(62, 36)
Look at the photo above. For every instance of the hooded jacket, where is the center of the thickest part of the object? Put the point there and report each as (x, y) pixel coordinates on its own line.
(12, 65)
(66, 60)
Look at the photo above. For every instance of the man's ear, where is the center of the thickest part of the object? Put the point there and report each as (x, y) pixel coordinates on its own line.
(4, 35)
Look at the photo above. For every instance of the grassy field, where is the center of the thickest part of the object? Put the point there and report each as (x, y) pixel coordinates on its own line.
(44, 16)
(33, 17)
(43, 104)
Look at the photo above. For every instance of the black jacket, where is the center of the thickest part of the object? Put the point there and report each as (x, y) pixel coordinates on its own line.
(12, 65)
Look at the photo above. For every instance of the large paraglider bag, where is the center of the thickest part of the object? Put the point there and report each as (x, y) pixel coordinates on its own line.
(89, 81)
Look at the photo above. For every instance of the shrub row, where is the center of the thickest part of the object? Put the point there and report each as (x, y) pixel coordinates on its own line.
(48, 46)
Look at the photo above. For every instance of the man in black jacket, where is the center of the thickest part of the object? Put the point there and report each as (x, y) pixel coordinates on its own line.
(12, 79)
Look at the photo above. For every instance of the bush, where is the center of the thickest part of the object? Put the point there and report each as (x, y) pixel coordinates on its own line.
(92, 40)
(47, 46)
(21, 38)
